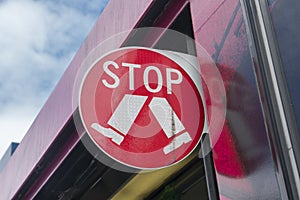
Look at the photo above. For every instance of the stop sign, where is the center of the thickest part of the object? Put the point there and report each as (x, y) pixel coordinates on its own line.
(142, 107)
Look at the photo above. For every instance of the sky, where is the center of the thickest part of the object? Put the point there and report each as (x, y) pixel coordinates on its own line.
(38, 39)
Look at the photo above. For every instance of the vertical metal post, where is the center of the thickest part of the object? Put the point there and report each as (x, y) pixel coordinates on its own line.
(211, 179)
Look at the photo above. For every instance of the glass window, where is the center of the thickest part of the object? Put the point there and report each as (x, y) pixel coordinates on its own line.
(188, 183)
(242, 156)
(286, 17)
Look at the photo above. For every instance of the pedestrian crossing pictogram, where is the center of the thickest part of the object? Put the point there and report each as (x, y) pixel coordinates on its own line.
(123, 118)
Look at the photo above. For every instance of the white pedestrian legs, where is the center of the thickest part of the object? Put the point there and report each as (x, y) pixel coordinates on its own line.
(129, 108)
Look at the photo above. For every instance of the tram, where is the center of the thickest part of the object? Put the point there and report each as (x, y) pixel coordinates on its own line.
(254, 47)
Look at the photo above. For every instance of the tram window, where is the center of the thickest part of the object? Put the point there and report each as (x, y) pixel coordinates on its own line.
(242, 155)
(184, 42)
(181, 31)
(285, 17)
(189, 183)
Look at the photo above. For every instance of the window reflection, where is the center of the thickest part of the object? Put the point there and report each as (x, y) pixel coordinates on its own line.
(286, 17)
(243, 161)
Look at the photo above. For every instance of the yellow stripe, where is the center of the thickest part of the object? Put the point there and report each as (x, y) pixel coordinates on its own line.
(144, 183)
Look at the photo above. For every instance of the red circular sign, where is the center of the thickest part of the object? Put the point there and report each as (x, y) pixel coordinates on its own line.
(142, 108)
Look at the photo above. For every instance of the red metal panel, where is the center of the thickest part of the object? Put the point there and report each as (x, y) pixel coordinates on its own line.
(58, 109)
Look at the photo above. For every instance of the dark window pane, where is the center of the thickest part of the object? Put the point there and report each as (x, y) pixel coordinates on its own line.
(286, 17)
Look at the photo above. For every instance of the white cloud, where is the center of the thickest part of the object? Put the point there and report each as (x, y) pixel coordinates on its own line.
(13, 124)
(37, 41)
